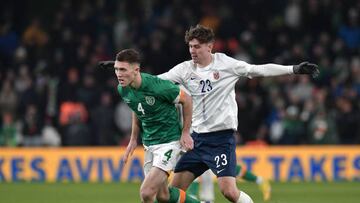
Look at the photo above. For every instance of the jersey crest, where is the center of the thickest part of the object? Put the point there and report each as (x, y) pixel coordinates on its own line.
(126, 100)
(150, 100)
(216, 75)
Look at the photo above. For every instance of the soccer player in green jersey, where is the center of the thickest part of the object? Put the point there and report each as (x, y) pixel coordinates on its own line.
(152, 101)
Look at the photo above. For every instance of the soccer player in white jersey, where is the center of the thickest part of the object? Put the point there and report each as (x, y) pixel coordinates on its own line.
(210, 78)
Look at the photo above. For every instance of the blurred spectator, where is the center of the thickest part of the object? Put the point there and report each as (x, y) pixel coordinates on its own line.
(88, 92)
(347, 120)
(34, 34)
(275, 121)
(8, 43)
(102, 119)
(73, 110)
(252, 112)
(210, 18)
(31, 127)
(303, 88)
(24, 85)
(8, 98)
(322, 129)
(76, 132)
(293, 14)
(293, 128)
(50, 136)
(123, 120)
(68, 88)
(350, 30)
(8, 131)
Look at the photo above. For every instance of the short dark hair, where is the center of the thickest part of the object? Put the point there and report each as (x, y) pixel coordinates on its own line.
(128, 55)
(201, 33)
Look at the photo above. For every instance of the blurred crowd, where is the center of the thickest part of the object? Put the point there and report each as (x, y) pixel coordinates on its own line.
(52, 93)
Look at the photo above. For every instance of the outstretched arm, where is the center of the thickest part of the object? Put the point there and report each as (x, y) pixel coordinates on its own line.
(250, 70)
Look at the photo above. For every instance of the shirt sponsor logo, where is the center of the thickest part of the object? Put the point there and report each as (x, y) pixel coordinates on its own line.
(150, 100)
(126, 101)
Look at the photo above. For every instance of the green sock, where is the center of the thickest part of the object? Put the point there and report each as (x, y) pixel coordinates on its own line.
(175, 195)
(248, 176)
(238, 170)
(189, 199)
(193, 189)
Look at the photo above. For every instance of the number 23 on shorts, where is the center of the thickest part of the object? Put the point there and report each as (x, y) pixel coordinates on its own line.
(221, 160)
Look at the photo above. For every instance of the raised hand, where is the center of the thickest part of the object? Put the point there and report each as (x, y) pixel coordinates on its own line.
(307, 68)
(106, 64)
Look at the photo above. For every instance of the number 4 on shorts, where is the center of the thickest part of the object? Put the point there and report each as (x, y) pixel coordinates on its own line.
(168, 154)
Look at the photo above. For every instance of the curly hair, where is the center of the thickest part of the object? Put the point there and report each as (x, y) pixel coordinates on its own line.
(201, 33)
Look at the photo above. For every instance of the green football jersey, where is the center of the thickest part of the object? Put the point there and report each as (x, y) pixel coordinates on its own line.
(153, 104)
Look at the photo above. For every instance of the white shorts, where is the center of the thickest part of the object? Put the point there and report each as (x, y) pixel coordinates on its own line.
(163, 156)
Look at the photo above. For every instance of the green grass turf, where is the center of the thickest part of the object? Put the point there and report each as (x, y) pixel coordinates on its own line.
(343, 192)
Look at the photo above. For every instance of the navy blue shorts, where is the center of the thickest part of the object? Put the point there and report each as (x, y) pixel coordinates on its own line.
(214, 150)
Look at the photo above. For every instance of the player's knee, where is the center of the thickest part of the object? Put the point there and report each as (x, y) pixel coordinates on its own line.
(147, 194)
(230, 194)
(162, 197)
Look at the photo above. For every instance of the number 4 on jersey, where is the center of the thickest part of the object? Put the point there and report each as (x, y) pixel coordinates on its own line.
(140, 108)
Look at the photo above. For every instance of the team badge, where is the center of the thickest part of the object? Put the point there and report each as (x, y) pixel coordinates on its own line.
(216, 75)
(126, 100)
(150, 100)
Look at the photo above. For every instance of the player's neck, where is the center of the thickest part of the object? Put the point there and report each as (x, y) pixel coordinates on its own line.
(137, 81)
(206, 62)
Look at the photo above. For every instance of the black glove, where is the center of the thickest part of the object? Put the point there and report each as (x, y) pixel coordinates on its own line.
(106, 64)
(307, 68)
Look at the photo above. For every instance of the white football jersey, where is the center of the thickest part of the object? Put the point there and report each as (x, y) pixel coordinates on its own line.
(213, 88)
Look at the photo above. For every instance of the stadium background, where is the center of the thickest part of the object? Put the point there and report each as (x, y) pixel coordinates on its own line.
(53, 97)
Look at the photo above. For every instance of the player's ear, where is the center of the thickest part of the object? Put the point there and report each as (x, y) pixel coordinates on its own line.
(210, 46)
(136, 67)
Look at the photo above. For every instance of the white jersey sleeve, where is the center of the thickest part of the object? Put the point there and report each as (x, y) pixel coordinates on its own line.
(176, 74)
(241, 68)
(249, 70)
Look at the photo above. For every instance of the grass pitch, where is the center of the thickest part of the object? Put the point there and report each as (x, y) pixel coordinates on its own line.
(343, 192)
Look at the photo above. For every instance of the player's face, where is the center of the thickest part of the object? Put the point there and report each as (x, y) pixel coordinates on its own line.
(125, 72)
(199, 52)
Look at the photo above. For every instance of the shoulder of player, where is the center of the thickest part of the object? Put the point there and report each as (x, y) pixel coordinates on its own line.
(226, 63)
(153, 83)
(184, 66)
(148, 78)
(223, 58)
